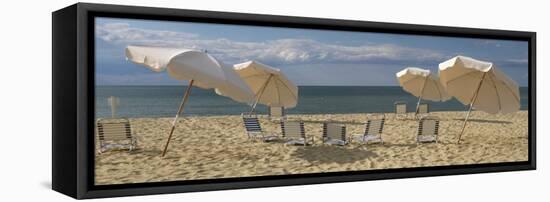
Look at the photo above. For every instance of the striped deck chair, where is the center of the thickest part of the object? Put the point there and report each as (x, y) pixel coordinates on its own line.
(423, 110)
(373, 131)
(295, 133)
(400, 109)
(428, 129)
(254, 129)
(334, 134)
(277, 113)
(115, 134)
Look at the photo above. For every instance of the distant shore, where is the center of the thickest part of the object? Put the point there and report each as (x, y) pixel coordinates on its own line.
(216, 147)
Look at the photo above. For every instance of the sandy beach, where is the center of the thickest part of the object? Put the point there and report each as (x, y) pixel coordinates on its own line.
(217, 147)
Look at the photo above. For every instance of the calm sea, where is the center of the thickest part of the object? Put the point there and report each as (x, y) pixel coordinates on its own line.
(163, 101)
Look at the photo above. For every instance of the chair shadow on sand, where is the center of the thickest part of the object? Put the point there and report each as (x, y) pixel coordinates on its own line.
(485, 121)
(147, 152)
(333, 154)
(137, 151)
(334, 121)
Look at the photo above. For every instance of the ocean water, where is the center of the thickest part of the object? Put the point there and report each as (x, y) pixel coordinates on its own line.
(163, 101)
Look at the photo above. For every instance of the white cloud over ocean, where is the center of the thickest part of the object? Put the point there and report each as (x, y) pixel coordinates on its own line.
(277, 51)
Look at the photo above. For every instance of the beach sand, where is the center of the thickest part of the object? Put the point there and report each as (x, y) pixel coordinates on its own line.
(217, 147)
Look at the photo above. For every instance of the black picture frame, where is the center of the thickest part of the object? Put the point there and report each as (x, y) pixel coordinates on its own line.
(73, 100)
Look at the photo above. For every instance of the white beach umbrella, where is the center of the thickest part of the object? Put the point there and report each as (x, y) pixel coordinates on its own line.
(422, 84)
(270, 86)
(479, 84)
(199, 68)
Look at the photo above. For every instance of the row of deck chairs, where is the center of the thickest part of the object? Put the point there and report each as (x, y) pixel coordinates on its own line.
(117, 133)
(293, 132)
(402, 113)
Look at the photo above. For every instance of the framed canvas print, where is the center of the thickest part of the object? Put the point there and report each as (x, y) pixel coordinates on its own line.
(154, 100)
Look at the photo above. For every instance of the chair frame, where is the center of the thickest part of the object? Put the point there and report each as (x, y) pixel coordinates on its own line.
(283, 114)
(419, 129)
(399, 115)
(254, 133)
(420, 115)
(106, 141)
(326, 137)
(377, 138)
(301, 131)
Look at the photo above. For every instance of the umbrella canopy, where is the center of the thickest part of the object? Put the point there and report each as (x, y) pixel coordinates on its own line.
(479, 84)
(186, 64)
(422, 83)
(201, 69)
(270, 86)
(464, 77)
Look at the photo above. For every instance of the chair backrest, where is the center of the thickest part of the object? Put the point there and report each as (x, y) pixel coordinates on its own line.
(423, 108)
(334, 131)
(400, 107)
(113, 129)
(428, 126)
(251, 124)
(374, 126)
(293, 129)
(277, 111)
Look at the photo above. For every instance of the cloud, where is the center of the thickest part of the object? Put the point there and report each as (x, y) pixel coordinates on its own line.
(123, 33)
(512, 63)
(518, 61)
(495, 43)
(136, 79)
(275, 52)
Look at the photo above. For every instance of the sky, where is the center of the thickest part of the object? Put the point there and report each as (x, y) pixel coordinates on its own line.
(306, 56)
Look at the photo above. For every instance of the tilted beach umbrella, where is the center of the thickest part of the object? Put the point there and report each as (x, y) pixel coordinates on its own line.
(479, 84)
(199, 68)
(422, 84)
(270, 86)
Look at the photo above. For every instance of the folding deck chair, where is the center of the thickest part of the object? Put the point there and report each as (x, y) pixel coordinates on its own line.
(334, 134)
(254, 129)
(295, 133)
(115, 133)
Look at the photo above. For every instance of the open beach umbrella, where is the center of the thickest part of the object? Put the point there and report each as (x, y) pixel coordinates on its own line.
(199, 68)
(422, 84)
(479, 84)
(270, 86)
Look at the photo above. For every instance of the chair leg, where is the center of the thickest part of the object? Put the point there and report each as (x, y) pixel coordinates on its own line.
(134, 144)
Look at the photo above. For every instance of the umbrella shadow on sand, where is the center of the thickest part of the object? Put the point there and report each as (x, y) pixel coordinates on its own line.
(337, 122)
(333, 154)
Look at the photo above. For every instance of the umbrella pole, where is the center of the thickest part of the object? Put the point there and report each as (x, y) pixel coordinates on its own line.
(420, 97)
(260, 95)
(471, 106)
(180, 110)
(417, 106)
